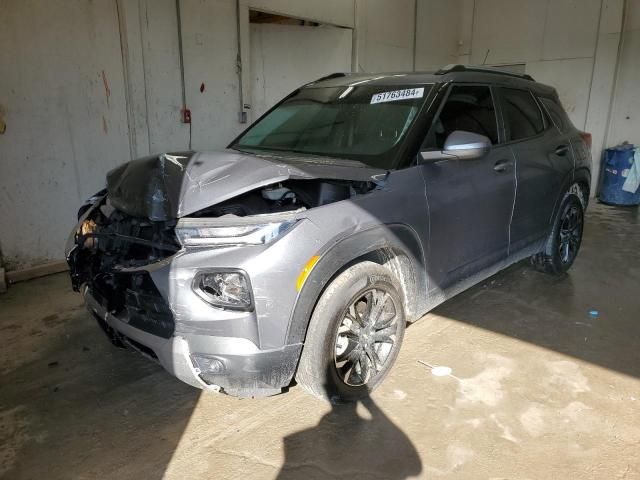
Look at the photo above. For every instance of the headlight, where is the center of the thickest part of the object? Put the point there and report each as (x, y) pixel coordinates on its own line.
(225, 289)
(205, 232)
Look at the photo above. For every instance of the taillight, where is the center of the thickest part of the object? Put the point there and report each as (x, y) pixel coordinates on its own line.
(587, 138)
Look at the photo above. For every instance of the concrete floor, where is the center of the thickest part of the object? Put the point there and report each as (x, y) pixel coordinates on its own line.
(539, 390)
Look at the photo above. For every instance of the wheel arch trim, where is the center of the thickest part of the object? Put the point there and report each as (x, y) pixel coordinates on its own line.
(401, 239)
(579, 176)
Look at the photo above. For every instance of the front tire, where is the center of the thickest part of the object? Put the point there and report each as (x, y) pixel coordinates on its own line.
(354, 334)
(563, 243)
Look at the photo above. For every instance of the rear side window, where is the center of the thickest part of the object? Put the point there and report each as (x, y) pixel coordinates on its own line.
(557, 113)
(467, 108)
(522, 115)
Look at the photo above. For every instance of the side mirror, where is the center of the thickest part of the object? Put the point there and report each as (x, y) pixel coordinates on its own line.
(460, 145)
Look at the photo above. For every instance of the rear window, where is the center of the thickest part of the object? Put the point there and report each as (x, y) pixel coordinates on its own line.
(523, 117)
(557, 114)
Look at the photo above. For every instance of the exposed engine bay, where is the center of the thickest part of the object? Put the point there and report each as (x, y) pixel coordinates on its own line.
(287, 196)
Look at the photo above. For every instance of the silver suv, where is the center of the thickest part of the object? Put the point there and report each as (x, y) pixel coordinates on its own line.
(354, 206)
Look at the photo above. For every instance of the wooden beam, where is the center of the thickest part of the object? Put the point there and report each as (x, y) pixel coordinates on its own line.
(42, 270)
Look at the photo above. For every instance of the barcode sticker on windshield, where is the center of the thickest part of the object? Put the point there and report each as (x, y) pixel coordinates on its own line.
(396, 95)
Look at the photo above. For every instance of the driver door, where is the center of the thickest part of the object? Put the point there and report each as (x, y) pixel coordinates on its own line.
(470, 201)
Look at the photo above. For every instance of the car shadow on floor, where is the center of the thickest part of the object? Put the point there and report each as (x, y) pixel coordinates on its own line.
(353, 440)
(589, 313)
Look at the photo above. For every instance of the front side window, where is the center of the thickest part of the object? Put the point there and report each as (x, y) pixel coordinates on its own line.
(467, 108)
(358, 122)
(522, 115)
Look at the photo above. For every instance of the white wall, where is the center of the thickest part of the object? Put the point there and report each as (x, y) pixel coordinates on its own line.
(280, 59)
(210, 47)
(162, 87)
(64, 131)
(555, 39)
(570, 44)
(625, 115)
(384, 35)
(603, 81)
(62, 90)
(439, 25)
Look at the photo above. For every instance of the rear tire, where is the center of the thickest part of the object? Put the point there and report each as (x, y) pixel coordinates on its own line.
(563, 243)
(354, 335)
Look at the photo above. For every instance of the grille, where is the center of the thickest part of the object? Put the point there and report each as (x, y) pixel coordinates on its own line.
(134, 299)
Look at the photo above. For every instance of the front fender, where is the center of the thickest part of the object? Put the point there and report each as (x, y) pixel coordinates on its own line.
(398, 238)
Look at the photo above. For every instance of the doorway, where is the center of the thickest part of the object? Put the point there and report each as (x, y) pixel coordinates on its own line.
(286, 53)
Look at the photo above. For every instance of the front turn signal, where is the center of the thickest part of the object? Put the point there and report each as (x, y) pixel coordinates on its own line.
(306, 271)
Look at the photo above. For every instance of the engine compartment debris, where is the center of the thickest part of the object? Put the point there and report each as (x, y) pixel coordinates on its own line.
(287, 196)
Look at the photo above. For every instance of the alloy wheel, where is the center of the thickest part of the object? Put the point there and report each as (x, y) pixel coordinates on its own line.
(570, 234)
(366, 336)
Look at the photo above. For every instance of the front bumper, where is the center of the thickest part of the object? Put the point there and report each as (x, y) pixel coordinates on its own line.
(154, 309)
(247, 370)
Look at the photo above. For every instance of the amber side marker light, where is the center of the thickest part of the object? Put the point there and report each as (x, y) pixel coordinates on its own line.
(306, 271)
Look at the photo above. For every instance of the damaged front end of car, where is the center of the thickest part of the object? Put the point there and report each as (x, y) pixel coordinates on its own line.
(108, 247)
(180, 258)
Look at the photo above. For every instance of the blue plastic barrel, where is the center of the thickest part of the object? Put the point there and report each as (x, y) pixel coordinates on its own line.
(618, 161)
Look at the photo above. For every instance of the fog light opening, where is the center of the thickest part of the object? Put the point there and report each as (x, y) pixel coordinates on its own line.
(207, 367)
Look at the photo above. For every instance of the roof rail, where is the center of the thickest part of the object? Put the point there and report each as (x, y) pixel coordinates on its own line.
(480, 69)
(330, 76)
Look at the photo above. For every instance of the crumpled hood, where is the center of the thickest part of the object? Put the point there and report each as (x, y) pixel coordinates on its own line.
(173, 185)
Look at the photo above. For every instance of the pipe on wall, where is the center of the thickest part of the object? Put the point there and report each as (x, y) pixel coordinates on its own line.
(242, 112)
(415, 33)
(616, 72)
(124, 51)
(181, 54)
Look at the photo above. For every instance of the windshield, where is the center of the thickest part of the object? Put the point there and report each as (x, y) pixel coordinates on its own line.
(364, 123)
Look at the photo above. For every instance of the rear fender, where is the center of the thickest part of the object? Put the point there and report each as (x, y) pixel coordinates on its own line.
(581, 176)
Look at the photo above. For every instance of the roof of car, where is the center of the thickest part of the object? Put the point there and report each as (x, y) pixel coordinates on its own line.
(450, 73)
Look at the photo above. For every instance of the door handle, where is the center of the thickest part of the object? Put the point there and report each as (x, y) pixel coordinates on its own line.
(562, 150)
(502, 165)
